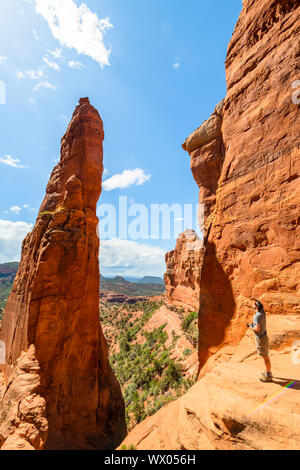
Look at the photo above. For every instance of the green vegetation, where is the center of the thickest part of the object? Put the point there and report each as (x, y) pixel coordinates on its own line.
(58, 209)
(149, 377)
(5, 288)
(187, 352)
(46, 213)
(121, 286)
(130, 447)
(189, 325)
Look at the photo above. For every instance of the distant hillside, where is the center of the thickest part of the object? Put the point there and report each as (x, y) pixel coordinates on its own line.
(8, 273)
(151, 280)
(122, 286)
(147, 286)
(153, 352)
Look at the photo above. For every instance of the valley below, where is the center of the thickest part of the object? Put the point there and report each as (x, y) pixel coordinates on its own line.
(153, 353)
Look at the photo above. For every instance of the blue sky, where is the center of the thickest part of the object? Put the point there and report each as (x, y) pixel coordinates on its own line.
(154, 70)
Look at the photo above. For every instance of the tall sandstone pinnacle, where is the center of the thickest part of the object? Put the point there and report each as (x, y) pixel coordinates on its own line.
(245, 159)
(53, 309)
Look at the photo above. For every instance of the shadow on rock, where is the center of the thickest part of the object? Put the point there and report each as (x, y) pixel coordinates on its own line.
(217, 305)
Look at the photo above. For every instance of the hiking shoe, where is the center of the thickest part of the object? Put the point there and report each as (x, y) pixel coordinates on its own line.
(265, 377)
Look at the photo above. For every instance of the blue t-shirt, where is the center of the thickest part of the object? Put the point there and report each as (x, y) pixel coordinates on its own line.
(260, 319)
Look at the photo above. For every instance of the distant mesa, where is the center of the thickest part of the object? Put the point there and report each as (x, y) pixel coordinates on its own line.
(151, 280)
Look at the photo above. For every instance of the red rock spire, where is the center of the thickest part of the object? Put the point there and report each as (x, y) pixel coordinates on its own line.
(54, 304)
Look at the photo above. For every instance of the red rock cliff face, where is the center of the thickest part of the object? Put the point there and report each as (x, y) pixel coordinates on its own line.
(206, 149)
(253, 242)
(245, 159)
(54, 304)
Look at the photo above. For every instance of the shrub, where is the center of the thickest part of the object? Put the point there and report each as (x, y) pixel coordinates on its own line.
(186, 322)
(187, 352)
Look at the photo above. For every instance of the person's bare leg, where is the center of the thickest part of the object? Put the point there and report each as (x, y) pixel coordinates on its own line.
(267, 363)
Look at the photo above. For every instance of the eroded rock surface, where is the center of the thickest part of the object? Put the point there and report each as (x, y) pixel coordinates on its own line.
(182, 278)
(23, 423)
(229, 408)
(54, 304)
(245, 160)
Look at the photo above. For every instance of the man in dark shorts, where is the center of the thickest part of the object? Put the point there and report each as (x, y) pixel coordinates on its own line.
(259, 328)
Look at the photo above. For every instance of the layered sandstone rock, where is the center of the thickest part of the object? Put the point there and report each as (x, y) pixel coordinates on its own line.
(184, 264)
(172, 323)
(182, 278)
(54, 304)
(206, 149)
(114, 298)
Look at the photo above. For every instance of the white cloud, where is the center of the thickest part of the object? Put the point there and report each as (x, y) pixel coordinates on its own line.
(128, 178)
(35, 74)
(35, 34)
(76, 27)
(32, 74)
(57, 53)
(11, 237)
(50, 63)
(176, 65)
(20, 74)
(2, 59)
(75, 64)
(16, 209)
(130, 258)
(45, 85)
(10, 161)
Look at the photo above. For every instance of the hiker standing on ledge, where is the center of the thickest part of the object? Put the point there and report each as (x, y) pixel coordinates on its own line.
(259, 326)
